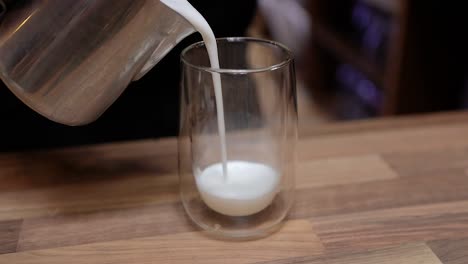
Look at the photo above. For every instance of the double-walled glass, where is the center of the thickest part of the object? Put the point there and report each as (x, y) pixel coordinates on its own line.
(260, 110)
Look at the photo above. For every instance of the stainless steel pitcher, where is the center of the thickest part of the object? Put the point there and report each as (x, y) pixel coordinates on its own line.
(70, 59)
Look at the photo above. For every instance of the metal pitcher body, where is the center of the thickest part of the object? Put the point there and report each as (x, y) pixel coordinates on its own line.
(71, 59)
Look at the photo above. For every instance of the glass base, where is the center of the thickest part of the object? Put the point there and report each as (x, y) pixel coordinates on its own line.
(241, 228)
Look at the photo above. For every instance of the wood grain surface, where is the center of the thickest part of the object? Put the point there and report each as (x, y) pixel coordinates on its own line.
(295, 239)
(9, 232)
(384, 191)
(451, 251)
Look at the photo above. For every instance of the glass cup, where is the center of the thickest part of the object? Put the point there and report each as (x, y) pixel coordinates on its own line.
(260, 112)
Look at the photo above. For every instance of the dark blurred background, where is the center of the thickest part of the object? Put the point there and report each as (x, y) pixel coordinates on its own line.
(356, 59)
(374, 58)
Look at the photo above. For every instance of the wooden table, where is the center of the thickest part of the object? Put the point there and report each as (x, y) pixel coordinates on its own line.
(387, 191)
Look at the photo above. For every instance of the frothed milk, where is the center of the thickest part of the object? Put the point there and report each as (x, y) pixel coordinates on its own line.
(250, 187)
(234, 188)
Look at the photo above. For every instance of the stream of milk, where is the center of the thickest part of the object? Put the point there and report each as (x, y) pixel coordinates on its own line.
(186, 10)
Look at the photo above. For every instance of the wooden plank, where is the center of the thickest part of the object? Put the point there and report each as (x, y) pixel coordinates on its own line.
(88, 179)
(32, 170)
(295, 239)
(369, 142)
(9, 232)
(404, 254)
(90, 197)
(390, 227)
(451, 251)
(404, 191)
(428, 162)
(336, 171)
(96, 227)
(118, 203)
(103, 226)
(141, 187)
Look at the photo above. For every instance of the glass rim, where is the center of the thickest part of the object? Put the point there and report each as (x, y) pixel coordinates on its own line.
(289, 56)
